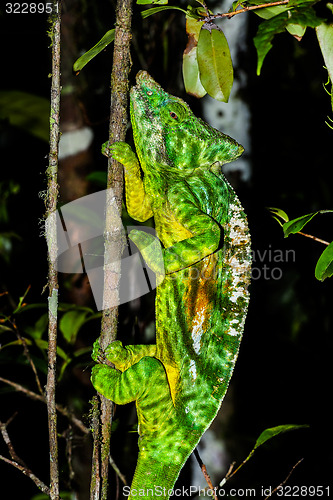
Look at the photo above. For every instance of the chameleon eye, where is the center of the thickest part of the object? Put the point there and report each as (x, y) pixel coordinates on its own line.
(173, 112)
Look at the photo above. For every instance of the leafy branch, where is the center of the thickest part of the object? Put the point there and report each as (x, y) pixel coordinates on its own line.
(207, 64)
(265, 436)
(242, 10)
(324, 267)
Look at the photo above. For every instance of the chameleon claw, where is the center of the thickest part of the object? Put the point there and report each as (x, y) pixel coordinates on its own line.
(105, 149)
(98, 354)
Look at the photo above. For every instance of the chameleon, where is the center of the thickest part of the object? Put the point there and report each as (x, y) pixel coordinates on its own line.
(202, 296)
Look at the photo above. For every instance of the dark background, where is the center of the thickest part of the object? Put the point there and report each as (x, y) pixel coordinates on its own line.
(283, 375)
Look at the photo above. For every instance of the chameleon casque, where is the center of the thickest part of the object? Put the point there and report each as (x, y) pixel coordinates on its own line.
(179, 383)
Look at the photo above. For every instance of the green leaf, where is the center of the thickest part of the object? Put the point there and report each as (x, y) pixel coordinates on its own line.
(71, 323)
(154, 10)
(26, 111)
(96, 49)
(324, 267)
(145, 2)
(191, 74)
(21, 301)
(295, 225)
(266, 32)
(275, 431)
(215, 65)
(278, 214)
(42, 344)
(325, 38)
(4, 328)
(270, 12)
(302, 15)
(36, 331)
(296, 30)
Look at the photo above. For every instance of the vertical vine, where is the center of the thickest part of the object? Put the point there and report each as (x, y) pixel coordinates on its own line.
(113, 235)
(51, 237)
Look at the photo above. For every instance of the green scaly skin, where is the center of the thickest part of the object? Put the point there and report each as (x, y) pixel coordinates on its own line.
(179, 383)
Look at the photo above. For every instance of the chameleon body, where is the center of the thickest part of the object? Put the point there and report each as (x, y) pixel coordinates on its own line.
(179, 383)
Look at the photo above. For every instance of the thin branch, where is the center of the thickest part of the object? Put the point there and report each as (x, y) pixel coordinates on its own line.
(204, 472)
(27, 472)
(51, 236)
(244, 9)
(285, 480)
(117, 471)
(18, 463)
(64, 411)
(27, 355)
(314, 238)
(74, 420)
(6, 438)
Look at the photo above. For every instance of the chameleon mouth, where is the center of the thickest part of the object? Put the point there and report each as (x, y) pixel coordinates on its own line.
(143, 95)
(145, 87)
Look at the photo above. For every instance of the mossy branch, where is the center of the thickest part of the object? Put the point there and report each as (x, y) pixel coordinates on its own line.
(51, 237)
(113, 249)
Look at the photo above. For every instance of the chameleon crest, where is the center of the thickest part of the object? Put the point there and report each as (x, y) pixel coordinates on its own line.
(179, 383)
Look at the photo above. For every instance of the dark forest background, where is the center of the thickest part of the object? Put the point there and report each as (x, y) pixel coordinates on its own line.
(283, 374)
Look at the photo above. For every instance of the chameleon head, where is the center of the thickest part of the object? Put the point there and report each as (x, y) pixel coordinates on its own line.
(167, 135)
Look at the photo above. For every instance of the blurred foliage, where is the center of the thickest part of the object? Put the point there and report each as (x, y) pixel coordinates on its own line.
(28, 112)
(19, 328)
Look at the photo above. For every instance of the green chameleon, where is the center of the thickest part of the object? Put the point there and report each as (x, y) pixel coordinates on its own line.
(179, 383)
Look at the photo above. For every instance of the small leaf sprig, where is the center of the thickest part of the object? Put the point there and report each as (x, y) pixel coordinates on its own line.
(324, 267)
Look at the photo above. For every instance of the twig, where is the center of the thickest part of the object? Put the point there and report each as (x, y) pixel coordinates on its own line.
(74, 420)
(204, 472)
(117, 471)
(51, 237)
(32, 395)
(314, 238)
(286, 479)
(27, 355)
(27, 472)
(5, 435)
(244, 9)
(18, 462)
(231, 472)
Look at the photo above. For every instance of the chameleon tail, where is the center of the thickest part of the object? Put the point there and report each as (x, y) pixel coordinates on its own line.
(154, 479)
(158, 468)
